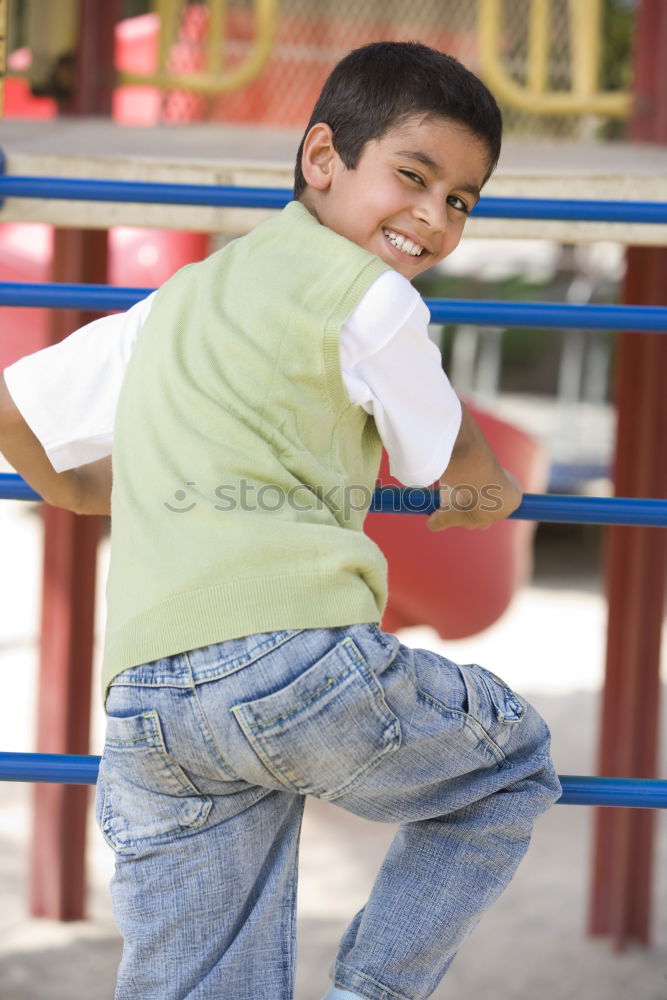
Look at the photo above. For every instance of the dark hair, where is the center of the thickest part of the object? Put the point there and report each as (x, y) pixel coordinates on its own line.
(375, 87)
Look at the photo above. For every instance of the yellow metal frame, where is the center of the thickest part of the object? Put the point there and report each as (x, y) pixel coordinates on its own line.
(584, 98)
(213, 80)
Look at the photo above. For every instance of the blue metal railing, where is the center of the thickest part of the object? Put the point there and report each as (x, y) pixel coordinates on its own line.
(582, 790)
(222, 196)
(71, 769)
(534, 506)
(638, 319)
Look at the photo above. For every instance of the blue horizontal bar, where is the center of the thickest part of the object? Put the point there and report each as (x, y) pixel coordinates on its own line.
(636, 793)
(149, 193)
(61, 769)
(542, 315)
(213, 195)
(638, 319)
(581, 790)
(568, 210)
(537, 507)
(557, 509)
(13, 487)
(534, 506)
(97, 298)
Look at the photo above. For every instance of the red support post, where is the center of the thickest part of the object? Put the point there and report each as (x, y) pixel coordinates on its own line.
(620, 903)
(57, 888)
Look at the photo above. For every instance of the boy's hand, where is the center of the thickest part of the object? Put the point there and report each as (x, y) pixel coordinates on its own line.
(465, 507)
(475, 491)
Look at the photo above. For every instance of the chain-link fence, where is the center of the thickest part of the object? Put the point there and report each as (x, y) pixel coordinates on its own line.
(312, 35)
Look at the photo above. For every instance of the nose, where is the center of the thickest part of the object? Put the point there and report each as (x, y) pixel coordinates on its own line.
(431, 209)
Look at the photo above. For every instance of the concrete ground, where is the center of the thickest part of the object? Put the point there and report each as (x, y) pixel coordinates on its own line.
(532, 943)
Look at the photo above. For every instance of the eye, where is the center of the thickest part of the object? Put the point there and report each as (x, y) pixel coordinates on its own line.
(411, 175)
(458, 203)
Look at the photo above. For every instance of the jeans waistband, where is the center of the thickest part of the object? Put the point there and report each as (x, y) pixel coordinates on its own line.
(207, 663)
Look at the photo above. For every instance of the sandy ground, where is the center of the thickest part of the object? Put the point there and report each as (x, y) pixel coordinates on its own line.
(549, 645)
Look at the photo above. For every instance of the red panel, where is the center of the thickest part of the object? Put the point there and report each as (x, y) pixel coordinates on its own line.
(460, 581)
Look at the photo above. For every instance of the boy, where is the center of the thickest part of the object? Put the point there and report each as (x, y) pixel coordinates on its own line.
(244, 667)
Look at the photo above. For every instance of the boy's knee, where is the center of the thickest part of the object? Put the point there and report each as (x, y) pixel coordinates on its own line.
(533, 756)
(537, 734)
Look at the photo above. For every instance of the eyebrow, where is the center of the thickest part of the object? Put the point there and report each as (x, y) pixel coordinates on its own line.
(426, 161)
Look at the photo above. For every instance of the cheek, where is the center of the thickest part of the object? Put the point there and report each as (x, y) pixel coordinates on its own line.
(454, 235)
(453, 241)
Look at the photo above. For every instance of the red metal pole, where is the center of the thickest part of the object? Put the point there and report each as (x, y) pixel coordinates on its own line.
(636, 557)
(57, 887)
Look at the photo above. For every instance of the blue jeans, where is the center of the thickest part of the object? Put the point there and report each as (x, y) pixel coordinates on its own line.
(207, 760)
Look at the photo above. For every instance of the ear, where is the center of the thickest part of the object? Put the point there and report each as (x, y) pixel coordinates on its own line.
(318, 156)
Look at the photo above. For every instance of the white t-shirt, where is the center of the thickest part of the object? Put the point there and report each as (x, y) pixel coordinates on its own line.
(68, 393)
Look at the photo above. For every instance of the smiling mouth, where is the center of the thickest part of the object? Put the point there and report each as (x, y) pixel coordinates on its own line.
(403, 244)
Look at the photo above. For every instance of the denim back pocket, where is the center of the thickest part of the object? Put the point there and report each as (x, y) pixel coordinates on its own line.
(324, 730)
(144, 797)
(494, 706)
(506, 705)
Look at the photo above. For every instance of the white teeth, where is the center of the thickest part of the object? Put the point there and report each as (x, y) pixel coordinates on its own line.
(403, 243)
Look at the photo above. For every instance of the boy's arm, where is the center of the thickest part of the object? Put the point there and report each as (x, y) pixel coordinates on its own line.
(491, 492)
(86, 490)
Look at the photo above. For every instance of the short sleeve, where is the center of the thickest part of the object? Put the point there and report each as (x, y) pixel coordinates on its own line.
(394, 371)
(68, 393)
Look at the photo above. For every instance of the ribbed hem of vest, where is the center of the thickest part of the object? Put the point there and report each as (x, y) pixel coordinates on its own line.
(202, 617)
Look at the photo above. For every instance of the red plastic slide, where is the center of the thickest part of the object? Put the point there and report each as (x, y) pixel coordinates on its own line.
(460, 581)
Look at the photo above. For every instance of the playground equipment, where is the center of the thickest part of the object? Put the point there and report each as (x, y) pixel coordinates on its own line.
(585, 38)
(464, 608)
(623, 854)
(207, 23)
(601, 183)
(266, 62)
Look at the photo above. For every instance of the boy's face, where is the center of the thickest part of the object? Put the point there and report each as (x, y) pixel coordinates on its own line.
(409, 196)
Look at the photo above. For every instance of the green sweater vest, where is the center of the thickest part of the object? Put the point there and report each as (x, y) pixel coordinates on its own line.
(242, 472)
